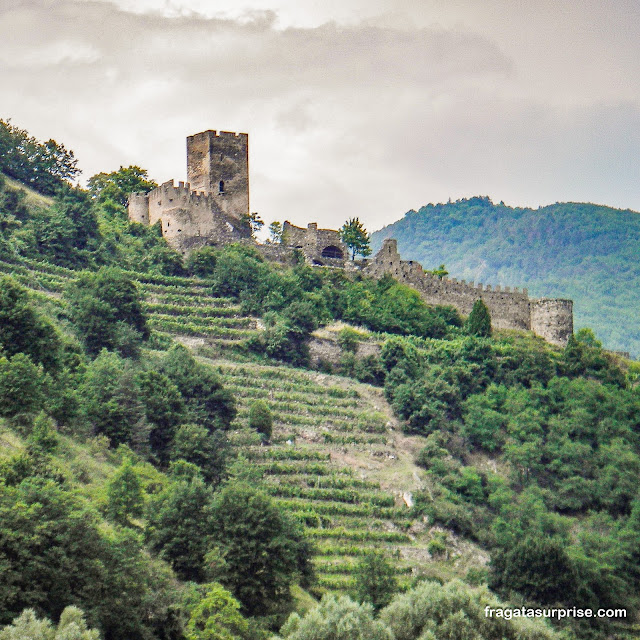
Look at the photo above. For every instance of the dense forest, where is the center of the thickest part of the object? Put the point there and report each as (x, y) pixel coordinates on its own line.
(174, 464)
(584, 252)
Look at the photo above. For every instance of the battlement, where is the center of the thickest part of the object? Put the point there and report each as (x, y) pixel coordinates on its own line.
(168, 193)
(509, 308)
(211, 133)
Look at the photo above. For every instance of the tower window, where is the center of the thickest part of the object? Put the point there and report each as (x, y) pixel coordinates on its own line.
(221, 187)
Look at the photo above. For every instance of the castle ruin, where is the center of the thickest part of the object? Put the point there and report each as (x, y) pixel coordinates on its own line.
(321, 247)
(212, 209)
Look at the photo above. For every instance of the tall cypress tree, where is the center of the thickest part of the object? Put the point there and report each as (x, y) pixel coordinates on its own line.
(479, 320)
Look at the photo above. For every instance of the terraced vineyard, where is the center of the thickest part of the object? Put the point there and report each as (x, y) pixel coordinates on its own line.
(336, 460)
(176, 306)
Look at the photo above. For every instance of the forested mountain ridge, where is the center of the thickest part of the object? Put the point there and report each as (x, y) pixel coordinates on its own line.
(585, 252)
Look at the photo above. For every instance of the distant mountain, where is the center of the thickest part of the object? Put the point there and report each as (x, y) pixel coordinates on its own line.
(585, 252)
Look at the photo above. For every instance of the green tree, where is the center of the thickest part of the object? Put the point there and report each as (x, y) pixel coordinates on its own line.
(53, 553)
(207, 402)
(67, 233)
(261, 550)
(106, 310)
(118, 185)
(22, 329)
(260, 419)
(355, 236)
(164, 409)
(440, 272)
(111, 400)
(72, 626)
(22, 386)
(337, 618)
(239, 269)
(202, 262)
(375, 580)
(125, 498)
(479, 321)
(252, 222)
(42, 166)
(216, 617)
(179, 526)
(455, 611)
(275, 232)
(207, 450)
(537, 568)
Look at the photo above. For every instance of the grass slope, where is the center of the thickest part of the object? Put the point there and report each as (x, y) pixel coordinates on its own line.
(585, 252)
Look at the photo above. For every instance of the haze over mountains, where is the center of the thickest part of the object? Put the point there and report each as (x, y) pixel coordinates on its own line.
(585, 252)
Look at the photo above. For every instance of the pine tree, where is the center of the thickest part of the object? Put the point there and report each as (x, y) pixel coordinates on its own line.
(479, 320)
(355, 236)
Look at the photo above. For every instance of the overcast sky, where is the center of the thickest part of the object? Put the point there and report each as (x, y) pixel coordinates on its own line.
(362, 108)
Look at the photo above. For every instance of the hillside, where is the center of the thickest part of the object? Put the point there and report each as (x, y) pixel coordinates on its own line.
(338, 460)
(223, 446)
(585, 252)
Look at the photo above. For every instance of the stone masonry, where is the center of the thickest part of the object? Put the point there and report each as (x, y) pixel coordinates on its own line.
(551, 319)
(321, 247)
(209, 210)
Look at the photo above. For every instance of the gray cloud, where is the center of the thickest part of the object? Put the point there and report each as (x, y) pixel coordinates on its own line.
(362, 119)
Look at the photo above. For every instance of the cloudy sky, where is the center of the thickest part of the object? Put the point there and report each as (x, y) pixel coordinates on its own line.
(362, 108)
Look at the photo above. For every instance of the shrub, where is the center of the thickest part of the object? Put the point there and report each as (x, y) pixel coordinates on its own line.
(106, 310)
(260, 419)
(21, 386)
(202, 262)
(336, 618)
(72, 626)
(455, 611)
(22, 330)
(209, 451)
(348, 340)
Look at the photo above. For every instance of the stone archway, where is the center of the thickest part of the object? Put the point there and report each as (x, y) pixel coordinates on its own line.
(332, 252)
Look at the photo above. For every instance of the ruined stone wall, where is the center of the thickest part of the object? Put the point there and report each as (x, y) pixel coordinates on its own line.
(218, 163)
(509, 308)
(139, 208)
(314, 242)
(188, 219)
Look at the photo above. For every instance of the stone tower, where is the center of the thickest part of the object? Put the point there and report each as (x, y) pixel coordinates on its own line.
(218, 163)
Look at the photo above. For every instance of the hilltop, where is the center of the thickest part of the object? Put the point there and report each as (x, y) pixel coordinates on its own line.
(585, 252)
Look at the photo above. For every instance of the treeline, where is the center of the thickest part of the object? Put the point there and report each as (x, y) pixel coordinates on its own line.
(43, 166)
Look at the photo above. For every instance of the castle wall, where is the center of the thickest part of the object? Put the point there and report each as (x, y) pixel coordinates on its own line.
(208, 210)
(509, 308)
(221, 159)
(185, 216)
(313, 241)
(552, 320)
(139, 208)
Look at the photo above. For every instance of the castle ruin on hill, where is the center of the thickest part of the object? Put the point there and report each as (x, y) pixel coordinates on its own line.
(212, 208)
